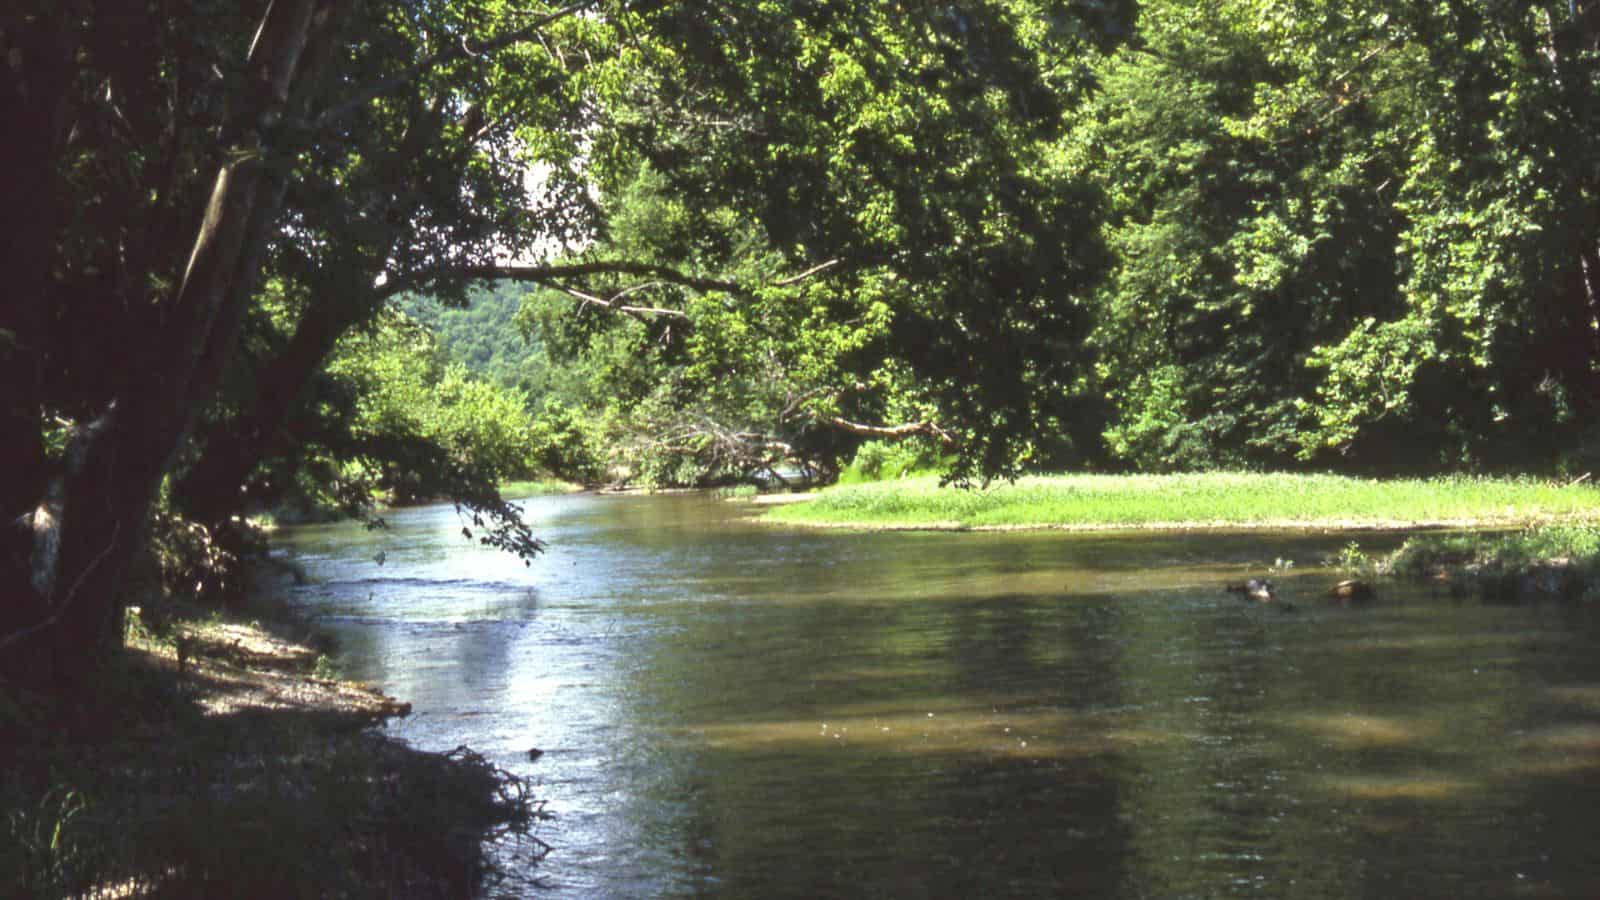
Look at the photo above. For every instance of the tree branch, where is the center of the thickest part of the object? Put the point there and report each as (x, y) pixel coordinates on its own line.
(550, 274)
(820, 267)
(893, 431)
(638, 312)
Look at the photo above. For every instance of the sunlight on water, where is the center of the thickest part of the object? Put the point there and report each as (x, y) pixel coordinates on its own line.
(736, 711)
(1417, 786)
(1352, 730)
(1040, 735)
(1583, 696)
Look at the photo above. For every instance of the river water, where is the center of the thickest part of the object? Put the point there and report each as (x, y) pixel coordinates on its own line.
(728, 709)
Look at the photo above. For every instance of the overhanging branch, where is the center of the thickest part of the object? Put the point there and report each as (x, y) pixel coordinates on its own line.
(638, 312)
(554, 273)
(912, 429)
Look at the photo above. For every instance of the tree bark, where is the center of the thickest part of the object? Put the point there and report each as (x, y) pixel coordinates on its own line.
(36, 100)
(231, 450)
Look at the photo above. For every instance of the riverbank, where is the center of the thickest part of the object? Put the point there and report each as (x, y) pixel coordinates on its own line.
(1214, 500)
(223, 758)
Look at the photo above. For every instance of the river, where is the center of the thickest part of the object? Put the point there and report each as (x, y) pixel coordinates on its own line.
(728, 709)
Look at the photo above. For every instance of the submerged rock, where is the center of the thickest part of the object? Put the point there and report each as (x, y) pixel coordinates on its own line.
(1352, 591)
(1258, 589)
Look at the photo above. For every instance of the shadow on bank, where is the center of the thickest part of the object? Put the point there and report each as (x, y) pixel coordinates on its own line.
(219, 764)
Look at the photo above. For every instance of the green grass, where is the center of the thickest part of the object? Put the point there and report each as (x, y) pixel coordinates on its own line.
(1208, 500)
(536, 488)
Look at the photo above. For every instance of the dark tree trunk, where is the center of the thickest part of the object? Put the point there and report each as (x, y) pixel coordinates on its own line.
(231, 449)
(115, 465)
(35, 100)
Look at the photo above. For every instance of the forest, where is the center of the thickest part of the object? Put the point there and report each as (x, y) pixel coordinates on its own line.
(741, 239)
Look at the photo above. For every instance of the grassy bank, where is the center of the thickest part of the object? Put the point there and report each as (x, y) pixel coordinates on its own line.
(222, 760)
(537, 488)
(1221, 500)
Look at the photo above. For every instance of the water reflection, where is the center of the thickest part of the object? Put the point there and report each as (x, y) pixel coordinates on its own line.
(737, 710)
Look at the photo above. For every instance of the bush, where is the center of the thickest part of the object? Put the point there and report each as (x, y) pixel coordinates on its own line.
(883, 461)
(563, 446)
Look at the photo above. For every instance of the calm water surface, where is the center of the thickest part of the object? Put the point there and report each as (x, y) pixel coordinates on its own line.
(736, 710)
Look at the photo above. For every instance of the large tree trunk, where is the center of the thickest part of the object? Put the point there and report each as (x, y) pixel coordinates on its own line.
(98, 506)
(231, 449)
(36, 100)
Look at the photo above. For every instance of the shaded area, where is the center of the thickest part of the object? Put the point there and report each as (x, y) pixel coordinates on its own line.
(221, 765)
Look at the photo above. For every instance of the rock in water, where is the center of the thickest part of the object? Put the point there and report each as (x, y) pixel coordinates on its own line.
(1258, 589)
(1352, 591)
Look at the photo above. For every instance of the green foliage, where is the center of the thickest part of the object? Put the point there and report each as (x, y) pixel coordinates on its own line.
(912, 151)
(880, 461)
(1352, 560)
(563, 444)
(403, 401)
(45, 852)
(1341, 235)
(694, 385)
(483, 337)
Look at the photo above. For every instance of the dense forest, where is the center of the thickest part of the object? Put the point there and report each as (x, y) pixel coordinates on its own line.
(1219, 235)
(751, 237)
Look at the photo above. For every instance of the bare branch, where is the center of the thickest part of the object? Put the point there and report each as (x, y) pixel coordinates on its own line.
(894, 431)
(821, 267)
(551, 274)
(558, 275)
(638, 312)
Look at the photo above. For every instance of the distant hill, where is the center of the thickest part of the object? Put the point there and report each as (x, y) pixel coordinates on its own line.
(484, 336)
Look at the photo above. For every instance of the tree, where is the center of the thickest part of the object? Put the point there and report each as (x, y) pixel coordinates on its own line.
(124, 328)
(1238, 247)
(1345, 235)
(169, 138)
(418, 186)
(911, 151)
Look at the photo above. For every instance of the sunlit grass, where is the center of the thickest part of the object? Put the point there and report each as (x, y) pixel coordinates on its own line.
(537, 488)
(1206, 500)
